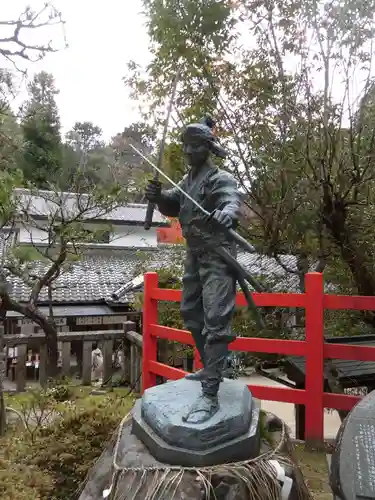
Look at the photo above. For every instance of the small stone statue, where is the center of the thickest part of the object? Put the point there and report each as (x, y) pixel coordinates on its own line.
(209, 286)
(97, 365)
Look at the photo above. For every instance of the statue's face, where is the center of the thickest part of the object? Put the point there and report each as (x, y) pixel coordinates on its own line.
(196, 152)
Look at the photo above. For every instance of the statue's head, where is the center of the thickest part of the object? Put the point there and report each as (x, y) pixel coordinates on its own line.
(199, 141)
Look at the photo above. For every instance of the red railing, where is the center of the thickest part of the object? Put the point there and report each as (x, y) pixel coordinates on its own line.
(314, 349)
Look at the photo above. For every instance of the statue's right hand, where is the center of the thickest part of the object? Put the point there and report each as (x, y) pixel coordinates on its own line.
(153, 191)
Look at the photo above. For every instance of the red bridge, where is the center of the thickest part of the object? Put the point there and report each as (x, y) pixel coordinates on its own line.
(313, 349)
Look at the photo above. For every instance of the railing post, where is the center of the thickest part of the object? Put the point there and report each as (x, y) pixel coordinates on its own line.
(107, 351)
(43, 362)
(65, 361)
(21, 367)
(314, 379)
(126, 371)
(87, 362)
(150, 316)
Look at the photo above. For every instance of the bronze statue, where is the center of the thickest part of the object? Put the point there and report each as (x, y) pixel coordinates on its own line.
(209, 284)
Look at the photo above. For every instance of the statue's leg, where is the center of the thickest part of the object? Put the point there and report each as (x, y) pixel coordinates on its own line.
(192, 308)
(219, 298)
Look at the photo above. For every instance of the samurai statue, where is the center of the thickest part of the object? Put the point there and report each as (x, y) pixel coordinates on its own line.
(209, 285)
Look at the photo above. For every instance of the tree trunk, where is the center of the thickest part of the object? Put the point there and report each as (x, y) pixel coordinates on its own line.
(336, 222)
(52, 349)
(335, 219)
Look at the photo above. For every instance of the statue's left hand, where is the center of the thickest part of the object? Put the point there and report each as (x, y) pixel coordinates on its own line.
(221, 218)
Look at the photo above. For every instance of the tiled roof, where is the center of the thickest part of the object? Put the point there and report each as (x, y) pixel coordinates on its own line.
(48, 203)
(101, 273)
(93, 278)
(270, 272)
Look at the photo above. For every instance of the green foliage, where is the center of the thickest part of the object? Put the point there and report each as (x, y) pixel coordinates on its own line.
(169, 277)
(174, 163)
(56, 462)
(60, 390)
(20, 481)
(208, 27)
(180, 33)
(9, 179)
(88, 161)
(69, 449)
(169, 312)
(84, 137)
(41, 132)
(84, 155)
(301, 147)
(130, 169)
(21, 254)
(10, 138)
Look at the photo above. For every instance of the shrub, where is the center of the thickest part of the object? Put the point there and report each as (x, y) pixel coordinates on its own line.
(60, 390)
(68, 449)
(24, 482)
(55, 461)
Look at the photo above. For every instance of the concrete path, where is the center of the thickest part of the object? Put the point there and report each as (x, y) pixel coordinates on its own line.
(286, 412)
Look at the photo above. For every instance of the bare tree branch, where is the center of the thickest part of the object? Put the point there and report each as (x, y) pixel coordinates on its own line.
(13, 47)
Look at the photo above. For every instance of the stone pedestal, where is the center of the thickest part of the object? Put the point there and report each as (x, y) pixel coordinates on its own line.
(141, 475)
(352, 473)
(231, 435)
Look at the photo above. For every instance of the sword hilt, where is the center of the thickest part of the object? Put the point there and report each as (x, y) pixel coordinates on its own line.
(150, 208)
(149, 216)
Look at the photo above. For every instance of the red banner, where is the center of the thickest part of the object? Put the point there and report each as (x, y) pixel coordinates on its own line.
(172, 234)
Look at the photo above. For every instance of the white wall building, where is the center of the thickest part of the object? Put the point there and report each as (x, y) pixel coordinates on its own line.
(125, 224)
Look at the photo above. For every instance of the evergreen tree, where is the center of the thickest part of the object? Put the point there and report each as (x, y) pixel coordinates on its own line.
(42, 151)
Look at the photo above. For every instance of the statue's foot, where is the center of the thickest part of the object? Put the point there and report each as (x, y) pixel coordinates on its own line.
(202, 410)
(198, 376)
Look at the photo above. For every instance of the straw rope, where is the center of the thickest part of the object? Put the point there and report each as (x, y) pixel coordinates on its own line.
(258, 476)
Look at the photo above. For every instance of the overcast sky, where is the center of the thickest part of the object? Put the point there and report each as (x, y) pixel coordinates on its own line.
(102, 37)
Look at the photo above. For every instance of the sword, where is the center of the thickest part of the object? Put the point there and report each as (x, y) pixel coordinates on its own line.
(231, 233)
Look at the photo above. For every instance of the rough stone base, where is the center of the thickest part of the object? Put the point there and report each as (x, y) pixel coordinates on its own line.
(241, 448)
(134, 454)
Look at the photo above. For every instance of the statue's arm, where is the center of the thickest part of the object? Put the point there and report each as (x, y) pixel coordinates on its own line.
(227, 197)
(169, 203)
